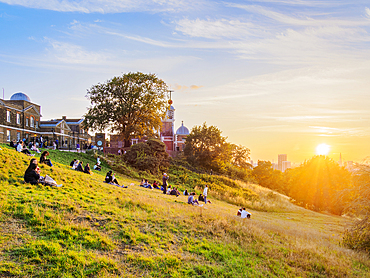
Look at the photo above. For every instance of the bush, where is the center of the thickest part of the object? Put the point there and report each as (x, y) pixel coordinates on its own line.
(148, 156)
(358, 236)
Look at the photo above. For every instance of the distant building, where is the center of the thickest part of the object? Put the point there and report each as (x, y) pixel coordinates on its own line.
(286, 165)
(180, 137)
(69, 132)
(174, 142)
(21, 119)
(281, 158)
(283, 162)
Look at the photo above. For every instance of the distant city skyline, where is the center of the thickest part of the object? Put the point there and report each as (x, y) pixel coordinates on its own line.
(277, 76)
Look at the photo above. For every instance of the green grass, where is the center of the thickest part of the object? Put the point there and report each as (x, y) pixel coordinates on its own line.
(88, 228)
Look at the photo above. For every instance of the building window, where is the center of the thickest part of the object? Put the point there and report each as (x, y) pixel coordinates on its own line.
(26, 121)
(18, 136)
(37, 124)
(134, 141)
(18, 119)
(8, 135)
(32, 122)
(8, 116)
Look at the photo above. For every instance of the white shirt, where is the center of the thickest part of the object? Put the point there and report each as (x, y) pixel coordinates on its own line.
(19, 147)
(205, 191)
(244, 214)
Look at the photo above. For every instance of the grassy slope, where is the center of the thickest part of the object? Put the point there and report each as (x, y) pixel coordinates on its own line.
(91, 229)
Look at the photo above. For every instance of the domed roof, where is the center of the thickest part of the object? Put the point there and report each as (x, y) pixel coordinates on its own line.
(182, 130)
(20, 96)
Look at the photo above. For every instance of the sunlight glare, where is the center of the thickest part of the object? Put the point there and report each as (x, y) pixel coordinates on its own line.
(322, 149)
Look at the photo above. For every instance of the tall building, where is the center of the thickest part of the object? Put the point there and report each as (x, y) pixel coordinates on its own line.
(286, 165)
(281, 158)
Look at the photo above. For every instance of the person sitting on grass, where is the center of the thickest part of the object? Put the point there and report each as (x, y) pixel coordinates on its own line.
(174, 192)
(87, 169)
(22, 149)
(239, 213)
(97, 166)
(13, 144)
(72, 162)
(192, 200)
(147, 185)
(156, 185)
(80, 167)
(168, 190)
(45, 160)
(142, 183)
(245, 214)
(201, 198)
(32, 175)
(34, 148)
(110, 178)
(186, 193)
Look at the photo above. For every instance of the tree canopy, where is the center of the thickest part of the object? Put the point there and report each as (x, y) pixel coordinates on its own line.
(206, 147)
(148, 156)
(318, 184)
(132, 105)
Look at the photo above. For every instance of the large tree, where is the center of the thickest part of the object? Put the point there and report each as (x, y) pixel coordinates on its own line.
(132, 105)
(206, 147)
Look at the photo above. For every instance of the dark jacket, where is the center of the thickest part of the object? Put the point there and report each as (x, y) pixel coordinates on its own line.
(79, 167)
(87, 169)
(108, 178)
(31, 177)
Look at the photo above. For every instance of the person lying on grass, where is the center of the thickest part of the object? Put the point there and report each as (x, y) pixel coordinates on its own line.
(32, 175)
(45, 160)
(192, 200)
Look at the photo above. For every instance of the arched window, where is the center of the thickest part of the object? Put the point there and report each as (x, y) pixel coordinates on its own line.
(32, 122)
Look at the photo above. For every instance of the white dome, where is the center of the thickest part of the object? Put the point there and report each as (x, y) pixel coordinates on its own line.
(182, 130)
(20, 96)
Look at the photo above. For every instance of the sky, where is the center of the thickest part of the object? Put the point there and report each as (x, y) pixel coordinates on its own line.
(276, 76)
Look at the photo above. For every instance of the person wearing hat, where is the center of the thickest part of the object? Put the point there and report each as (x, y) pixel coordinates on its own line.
(164, 183)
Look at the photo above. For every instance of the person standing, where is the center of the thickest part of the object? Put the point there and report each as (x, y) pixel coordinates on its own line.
(164, 183)
(205, 192)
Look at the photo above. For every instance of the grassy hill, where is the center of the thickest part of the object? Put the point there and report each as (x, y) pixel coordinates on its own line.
(91, 229)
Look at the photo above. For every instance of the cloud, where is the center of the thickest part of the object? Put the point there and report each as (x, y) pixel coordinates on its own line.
(178, 87)
(367, 10)
(74, 54)
(109, 6)
(214, 29)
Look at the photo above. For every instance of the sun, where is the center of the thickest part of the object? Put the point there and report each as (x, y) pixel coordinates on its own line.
(322, 149)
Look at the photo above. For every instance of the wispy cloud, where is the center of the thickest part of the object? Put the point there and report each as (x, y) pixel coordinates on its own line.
(109, 6)
(214, 29)
(74, 54)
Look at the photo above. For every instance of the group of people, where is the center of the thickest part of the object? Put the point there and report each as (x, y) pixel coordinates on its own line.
(32, 173)
(78, 166)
